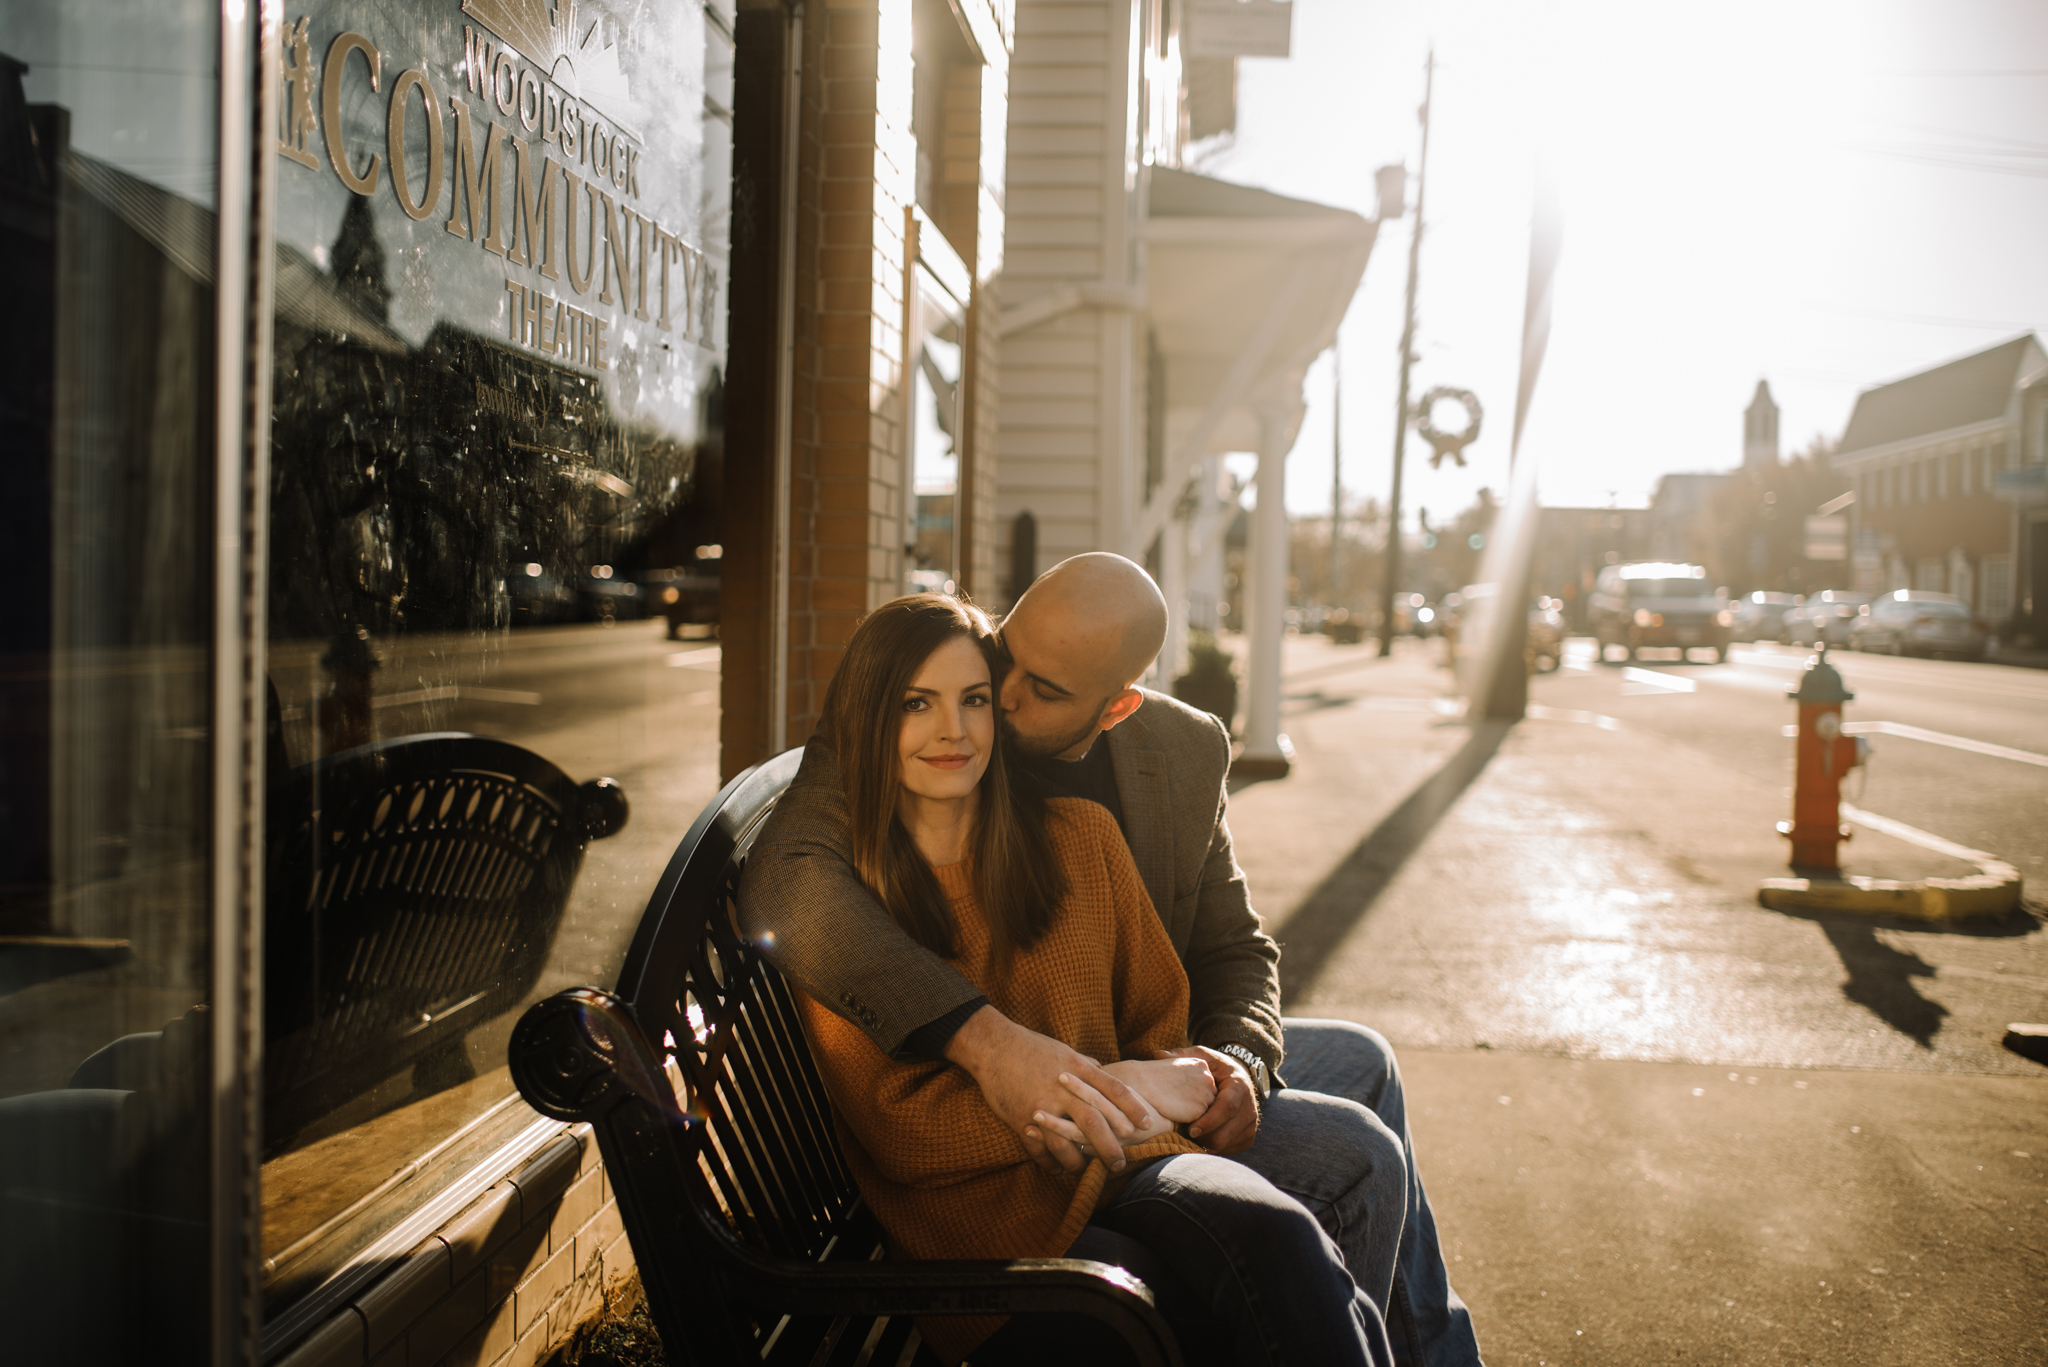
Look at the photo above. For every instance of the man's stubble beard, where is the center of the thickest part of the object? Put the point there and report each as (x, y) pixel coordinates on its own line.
(1032, 748)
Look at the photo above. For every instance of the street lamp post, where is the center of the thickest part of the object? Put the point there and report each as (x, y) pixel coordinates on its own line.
(1392, 579)
(1336, 474)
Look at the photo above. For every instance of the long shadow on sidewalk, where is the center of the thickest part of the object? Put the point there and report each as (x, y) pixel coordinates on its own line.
(1341, 901)
(1881, 976)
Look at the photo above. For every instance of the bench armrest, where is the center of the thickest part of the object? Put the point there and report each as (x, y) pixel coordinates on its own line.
(1022, 1286)
(580, 1056)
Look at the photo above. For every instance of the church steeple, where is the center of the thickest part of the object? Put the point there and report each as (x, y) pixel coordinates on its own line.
(1760, 429)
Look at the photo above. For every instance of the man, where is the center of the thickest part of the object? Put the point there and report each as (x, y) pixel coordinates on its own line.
(1334, 1135)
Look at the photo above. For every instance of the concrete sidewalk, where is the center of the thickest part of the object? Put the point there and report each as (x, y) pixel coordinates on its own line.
(1659, 1122)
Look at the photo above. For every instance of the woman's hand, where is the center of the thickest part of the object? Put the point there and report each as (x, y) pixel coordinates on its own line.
(1181, 1089)
(1174, 1090)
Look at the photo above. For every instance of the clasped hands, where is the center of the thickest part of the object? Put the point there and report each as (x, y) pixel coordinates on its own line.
(1065, 1107)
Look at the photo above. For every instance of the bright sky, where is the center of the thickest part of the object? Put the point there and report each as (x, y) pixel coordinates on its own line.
(1823, 193)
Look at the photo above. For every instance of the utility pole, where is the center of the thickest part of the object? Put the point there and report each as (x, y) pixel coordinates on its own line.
(1337, 473)
(1392, 580)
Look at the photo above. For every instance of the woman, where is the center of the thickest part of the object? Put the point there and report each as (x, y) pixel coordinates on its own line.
(1038, 903)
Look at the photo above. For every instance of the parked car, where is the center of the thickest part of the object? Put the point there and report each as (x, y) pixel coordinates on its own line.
(1824, 616)
(538, 597)
(1910, 622)
(1760, 616)
(687, 595)
(1546, 635)
(1659, 603)
(1471, 609)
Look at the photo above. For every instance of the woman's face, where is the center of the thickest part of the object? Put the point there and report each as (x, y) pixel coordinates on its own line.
(949, 723)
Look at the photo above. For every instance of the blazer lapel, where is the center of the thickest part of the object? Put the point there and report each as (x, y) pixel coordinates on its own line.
(1141, 785)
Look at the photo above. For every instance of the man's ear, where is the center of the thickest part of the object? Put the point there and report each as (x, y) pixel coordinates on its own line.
(1121, 706)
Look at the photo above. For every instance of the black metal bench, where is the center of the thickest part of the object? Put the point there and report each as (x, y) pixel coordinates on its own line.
(752, 1241)
(415, 889)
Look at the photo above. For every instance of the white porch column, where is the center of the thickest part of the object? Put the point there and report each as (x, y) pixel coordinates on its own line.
(1173, 586)
(1266, 752)
(1205, 548)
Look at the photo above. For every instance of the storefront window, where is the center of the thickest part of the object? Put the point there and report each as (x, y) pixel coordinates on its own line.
(107, 438)
(495, 541)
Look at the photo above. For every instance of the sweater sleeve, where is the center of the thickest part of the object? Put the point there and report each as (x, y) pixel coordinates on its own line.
(922, 1124)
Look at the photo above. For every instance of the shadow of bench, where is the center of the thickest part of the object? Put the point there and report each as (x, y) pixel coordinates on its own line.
(752, 1241)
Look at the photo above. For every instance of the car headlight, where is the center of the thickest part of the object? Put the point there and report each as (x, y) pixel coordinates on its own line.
(669, 595)
(1642, 617)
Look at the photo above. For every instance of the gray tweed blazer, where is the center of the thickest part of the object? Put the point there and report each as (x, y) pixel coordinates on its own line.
(801, 900)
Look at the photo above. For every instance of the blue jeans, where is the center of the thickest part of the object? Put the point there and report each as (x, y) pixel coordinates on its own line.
(1336, 1137)
(1242, 1272)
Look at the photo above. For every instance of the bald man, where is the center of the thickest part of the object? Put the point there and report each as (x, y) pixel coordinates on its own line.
(1334, 1136)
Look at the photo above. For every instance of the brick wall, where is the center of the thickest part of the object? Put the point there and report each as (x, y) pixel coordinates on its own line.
(856, 179)
(849, 483)
(503, 1284)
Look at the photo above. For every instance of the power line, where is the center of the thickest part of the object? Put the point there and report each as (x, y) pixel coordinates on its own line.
(1933, 319)
(1952, 163)
(1937, 73)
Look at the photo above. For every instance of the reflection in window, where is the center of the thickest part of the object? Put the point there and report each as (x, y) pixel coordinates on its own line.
(938, 286)
(106, 380)
(495, 544)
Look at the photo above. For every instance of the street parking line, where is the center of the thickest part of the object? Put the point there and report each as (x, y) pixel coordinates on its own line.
(1655, 681)
(1886, 669)
(1543, 713)
(1976, 747)
(1768, 657)
(1904, 732)
(1913, 835)
(451, 692)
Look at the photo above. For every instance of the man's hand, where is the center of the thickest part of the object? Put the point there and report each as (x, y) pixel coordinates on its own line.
(1047, 1092)
(1232, 1122)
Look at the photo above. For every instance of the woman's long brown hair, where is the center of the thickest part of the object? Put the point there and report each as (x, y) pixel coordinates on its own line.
(1016, 873)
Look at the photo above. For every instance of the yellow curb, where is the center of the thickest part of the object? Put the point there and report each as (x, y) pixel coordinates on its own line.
(1993, 892)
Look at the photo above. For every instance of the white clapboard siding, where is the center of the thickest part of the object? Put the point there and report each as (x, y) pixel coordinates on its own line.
(1062, 186)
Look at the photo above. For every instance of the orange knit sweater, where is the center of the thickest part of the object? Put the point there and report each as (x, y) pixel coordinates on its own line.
(944, 1175)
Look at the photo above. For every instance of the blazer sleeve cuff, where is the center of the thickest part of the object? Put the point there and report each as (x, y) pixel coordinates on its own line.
(928, 1043)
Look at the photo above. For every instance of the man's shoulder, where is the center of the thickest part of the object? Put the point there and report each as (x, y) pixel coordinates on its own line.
(1166, 723)
(814, 804)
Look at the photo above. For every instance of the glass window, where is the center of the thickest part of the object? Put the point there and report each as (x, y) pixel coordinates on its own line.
(495, 544)
(938, 285)
(107, 230)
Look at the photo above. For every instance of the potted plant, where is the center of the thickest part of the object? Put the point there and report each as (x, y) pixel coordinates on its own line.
(1211, 682)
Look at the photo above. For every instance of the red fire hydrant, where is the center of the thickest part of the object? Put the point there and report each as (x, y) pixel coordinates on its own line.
(1825, 756)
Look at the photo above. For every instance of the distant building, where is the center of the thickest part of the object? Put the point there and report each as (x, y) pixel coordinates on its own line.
(1573, 543)
(1760, 430)
(1948, 470)
(1684, 517)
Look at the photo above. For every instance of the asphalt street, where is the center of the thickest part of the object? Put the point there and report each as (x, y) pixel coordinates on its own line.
(1924, 773)
(1659, 1122)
